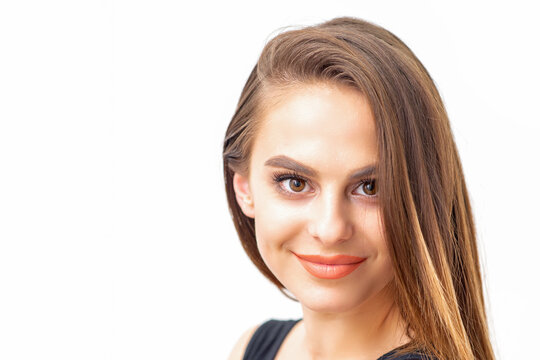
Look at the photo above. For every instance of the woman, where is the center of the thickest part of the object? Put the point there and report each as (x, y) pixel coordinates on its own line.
(347, 192)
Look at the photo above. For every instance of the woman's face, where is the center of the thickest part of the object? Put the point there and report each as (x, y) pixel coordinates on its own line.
(314, 197)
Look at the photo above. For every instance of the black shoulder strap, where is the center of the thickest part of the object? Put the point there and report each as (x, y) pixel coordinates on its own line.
(413, 356)
(267, 339)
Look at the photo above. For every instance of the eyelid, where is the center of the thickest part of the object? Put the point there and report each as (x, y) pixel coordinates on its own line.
(361, 183)
(279, 177)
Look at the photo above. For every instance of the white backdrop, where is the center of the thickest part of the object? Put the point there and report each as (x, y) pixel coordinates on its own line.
(115, 237)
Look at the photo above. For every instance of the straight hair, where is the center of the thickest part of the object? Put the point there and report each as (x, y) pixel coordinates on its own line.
(426, 212)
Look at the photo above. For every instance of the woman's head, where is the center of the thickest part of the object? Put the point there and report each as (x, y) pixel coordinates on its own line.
(312, 191)
(426, 229)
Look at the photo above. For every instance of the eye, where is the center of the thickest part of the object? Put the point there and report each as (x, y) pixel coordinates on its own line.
(296, 185)
(368, 188)
(290, 183)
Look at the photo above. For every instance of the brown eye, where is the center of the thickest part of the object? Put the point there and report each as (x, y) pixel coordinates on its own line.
(297, 185)
(369, 187)
(291, 183)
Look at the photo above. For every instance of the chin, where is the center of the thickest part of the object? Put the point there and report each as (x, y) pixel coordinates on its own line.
(339, 297)
(329, 307)
(333, 300)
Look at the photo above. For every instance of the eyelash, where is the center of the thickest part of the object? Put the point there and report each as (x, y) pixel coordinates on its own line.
(279, 177)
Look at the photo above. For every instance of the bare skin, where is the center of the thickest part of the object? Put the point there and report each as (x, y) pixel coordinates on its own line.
(330, 130)
(345, 336)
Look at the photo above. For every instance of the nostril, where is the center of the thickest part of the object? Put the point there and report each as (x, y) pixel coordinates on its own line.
(331, 231)
(330, 219)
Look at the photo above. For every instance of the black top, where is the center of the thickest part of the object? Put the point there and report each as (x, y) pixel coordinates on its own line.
(267, 339)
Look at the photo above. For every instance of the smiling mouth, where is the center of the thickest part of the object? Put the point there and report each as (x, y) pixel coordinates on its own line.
(329, 267)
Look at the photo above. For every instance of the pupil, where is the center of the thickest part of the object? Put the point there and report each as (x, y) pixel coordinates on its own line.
(296, 184)
(370, 188)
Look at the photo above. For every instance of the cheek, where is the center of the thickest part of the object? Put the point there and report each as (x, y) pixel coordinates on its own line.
(385, 265)
(277, 225)
(373, 233)
(369, 228)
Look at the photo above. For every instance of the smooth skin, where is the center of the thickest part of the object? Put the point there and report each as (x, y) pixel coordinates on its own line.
(330, 131)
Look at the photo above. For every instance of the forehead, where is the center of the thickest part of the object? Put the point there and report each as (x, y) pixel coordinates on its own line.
(318, 123)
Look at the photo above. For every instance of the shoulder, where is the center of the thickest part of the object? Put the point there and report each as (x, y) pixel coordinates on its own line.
(262, 341)
(237, 352)
(410, 356)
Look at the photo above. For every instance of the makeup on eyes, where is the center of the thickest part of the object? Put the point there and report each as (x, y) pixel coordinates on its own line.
(285, 162)
(280, 176)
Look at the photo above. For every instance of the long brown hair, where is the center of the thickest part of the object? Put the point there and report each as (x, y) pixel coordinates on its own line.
(427, 217)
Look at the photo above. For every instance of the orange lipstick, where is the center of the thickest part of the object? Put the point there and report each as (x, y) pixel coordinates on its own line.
(329, 267)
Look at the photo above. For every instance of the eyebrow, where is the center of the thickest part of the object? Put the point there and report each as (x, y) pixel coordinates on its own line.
(288, 163)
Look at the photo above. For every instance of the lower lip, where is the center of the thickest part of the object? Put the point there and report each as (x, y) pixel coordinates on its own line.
(328, 271)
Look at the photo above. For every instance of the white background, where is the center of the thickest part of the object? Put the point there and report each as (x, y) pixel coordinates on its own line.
(115, 236)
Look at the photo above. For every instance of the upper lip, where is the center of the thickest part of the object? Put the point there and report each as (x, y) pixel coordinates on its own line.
(332, 259)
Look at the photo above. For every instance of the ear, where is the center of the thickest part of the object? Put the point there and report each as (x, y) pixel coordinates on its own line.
(243, 195)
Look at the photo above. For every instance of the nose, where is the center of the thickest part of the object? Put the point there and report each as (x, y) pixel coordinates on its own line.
(330, 222)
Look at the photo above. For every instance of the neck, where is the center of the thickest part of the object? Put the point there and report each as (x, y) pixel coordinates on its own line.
(365, 332)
